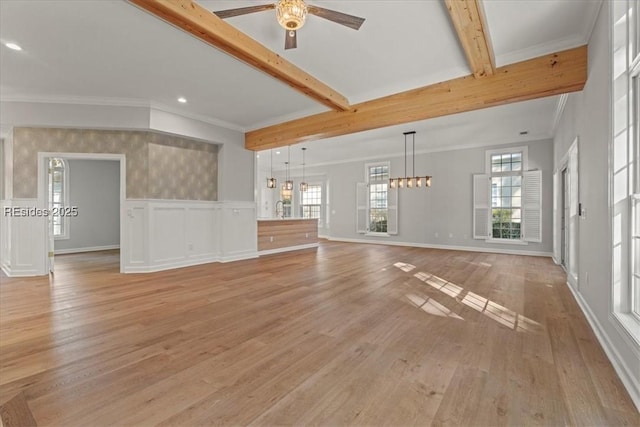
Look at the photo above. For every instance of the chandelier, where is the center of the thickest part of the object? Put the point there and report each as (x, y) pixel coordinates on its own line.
(291, 14)
(410, 181)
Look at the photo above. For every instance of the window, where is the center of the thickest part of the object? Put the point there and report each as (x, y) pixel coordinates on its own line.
(507, 199)
(58, 197)
(506, 195)
(625, 164)
(311, 201)
(376, 202)
(378, 180)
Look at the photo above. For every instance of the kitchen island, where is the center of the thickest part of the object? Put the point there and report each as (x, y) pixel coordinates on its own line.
(287, 234)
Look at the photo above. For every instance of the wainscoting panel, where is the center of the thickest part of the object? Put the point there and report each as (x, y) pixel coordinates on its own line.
(5, 236)
(135, 235)
(239, 231)
(203, 232)
(168, 233)
(156, 235)
(26, 251)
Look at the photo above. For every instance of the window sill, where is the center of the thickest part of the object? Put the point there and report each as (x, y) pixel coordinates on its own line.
(507, 242)
(61, 238)
(377, 234)
(630, 324)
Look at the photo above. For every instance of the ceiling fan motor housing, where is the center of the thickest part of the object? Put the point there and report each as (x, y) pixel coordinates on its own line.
(291, 14)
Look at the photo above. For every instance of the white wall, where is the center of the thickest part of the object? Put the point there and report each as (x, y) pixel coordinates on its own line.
(440, 216)
(94, 187)
(236, 172)
(588, 116)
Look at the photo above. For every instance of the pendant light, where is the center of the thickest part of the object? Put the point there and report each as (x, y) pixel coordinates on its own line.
(271, 182)
(410, 181)
(288, 184)
(303, 185)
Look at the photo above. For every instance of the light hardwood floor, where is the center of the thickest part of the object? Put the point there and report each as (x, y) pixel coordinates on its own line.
(346, 335)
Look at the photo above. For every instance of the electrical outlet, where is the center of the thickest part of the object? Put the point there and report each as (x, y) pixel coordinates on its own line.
(306, 235)
(451, 235)
(437, 235)
(271, 239)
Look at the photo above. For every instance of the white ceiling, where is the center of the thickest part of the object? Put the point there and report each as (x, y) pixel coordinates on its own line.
(109, 50)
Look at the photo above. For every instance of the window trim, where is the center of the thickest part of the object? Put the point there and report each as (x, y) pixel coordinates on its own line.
(525, 167)
(622, 297)
(66, 235)
(367, 166)
(301, 204)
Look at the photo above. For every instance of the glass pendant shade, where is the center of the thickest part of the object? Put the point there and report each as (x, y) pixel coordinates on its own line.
(400, 182)
(291, 14)
(410, 182)
(288, 185)
(393, 183)
(304, 186)
(428, 182)
(419, 182)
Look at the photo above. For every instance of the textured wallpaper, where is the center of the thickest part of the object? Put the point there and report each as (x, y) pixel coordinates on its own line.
(158, 166)
(182, 169)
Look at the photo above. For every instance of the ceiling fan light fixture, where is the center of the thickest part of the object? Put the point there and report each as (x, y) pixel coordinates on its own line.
(291, 14)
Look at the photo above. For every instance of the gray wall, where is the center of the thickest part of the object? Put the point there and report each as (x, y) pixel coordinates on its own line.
(94, 187)
(441, 215)
(587, 115)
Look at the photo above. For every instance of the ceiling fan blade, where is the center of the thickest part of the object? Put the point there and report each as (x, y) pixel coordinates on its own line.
(290, 39)
(337, 17)
(243, 10)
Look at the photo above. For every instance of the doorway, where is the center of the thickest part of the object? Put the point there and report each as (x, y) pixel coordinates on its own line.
(85, 202)
(566, 216)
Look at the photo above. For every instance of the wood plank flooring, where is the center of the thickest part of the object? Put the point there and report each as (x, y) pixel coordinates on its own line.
(347, 334)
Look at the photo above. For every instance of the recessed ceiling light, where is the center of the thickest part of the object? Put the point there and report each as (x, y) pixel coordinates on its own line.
(277, 152)
(13, 46)
(182, 100)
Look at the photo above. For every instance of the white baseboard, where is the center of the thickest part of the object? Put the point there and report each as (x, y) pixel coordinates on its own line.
(239, 257)
(446, 247)
(169, 265)
(288, 249)
(19, 273)
(89, 249)
(621, 368)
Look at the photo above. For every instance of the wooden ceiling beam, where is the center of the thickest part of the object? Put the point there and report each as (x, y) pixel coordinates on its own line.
(547, 75)
(470, 24)
(205, 25)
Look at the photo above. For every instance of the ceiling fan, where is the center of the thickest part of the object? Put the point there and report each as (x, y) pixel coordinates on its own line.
(291, 15)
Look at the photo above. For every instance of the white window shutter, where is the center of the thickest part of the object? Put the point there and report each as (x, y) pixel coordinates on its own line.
(481, 206)
(392, 212)
(362, 224)
(532, 206)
